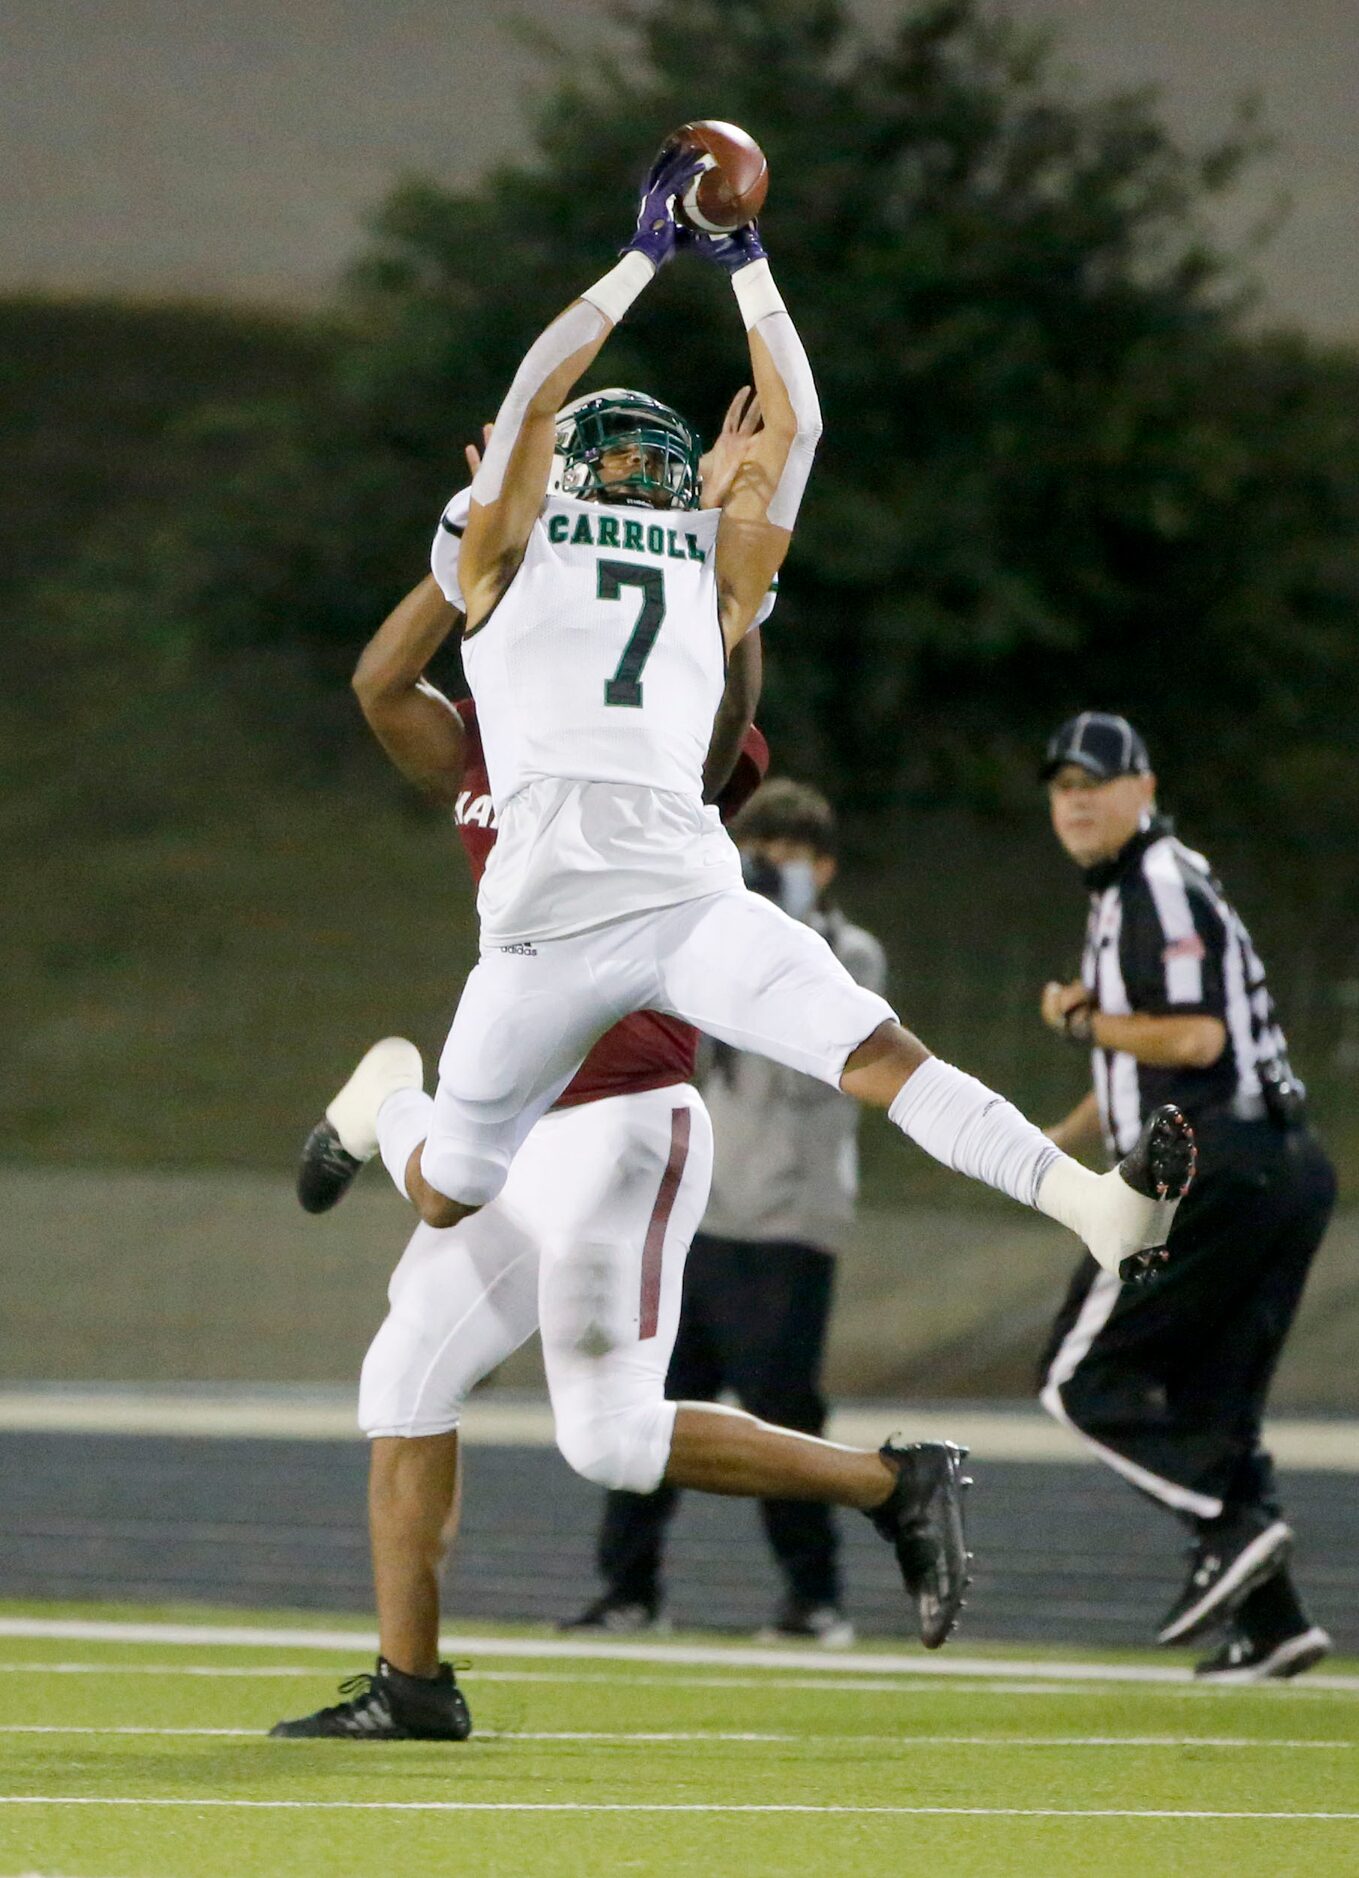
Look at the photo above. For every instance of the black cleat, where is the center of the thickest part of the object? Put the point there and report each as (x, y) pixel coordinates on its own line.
(325, 1172)
(1252, 1659)
(1160, 1167)
(388, 1705)
(1229, 1559)
(795, 1622)
(922, 1518)
(620, 1617)
(346, 1136)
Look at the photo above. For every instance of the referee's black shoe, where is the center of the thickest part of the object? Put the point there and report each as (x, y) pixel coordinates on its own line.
(1230, 1557)
(620, 1616)
(922, 1519)
(1244, 1658)
(387, 1705)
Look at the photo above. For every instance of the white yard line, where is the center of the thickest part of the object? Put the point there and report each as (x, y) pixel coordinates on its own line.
(725, 1737)
(34, 1666)
(856, 1685)
(125, 1728)
(663, 1806)
(1023, 1434)
(686, 1655)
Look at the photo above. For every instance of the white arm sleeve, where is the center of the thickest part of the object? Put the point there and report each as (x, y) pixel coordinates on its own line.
(443, 555)
(794, 368)
(763, 311)
(577, 327)
(602, 305)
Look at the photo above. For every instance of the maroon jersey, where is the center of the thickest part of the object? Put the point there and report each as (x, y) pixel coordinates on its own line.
(645, 1050)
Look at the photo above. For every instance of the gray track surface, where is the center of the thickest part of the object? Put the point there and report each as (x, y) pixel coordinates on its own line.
(221, 1278)
(1065, 1554)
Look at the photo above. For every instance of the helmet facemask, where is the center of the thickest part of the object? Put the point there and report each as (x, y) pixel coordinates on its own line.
(591, 428)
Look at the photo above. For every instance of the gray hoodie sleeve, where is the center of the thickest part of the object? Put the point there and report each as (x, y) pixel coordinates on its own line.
(786, 1160)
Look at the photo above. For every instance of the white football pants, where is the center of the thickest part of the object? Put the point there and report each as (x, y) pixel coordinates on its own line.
(585, 1242)
(731, 963)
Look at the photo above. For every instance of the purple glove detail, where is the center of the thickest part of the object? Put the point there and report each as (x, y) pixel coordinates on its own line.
(729, 252)
(667, 180)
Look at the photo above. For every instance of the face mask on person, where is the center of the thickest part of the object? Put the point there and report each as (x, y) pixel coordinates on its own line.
(789, 884)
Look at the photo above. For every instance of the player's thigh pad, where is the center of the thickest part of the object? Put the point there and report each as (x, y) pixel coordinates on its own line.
(462, 1299)
(632, 1179)
(740, 969)
(523, 1026)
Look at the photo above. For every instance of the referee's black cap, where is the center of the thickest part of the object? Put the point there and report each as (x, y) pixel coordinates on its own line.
(1106, 745)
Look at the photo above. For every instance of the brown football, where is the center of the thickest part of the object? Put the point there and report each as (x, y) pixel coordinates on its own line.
(733, 187)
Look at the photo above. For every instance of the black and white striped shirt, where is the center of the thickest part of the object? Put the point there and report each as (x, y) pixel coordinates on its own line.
(1162, 940)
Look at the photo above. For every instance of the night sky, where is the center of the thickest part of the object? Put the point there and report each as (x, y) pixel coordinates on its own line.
(163, 147)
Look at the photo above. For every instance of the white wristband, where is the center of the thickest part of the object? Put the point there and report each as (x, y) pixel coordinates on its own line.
(756, 294)
(615, 292)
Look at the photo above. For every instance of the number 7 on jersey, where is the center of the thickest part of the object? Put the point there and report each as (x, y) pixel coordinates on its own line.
(625, 687)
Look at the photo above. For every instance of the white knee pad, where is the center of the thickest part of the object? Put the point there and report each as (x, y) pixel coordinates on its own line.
(630, 1179)
(482, 1114)
(624, 1446)
(394, 1398)
(462, 1174)
(462, 1299)
(521, 1029)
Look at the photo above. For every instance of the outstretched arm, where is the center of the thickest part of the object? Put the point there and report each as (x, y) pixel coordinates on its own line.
(508, 492)
(745, 668)
(509, 489)
(415, 724)
(766, 492)
(413, 721)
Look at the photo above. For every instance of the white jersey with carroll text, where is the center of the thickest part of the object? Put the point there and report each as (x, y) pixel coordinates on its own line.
(597, 677)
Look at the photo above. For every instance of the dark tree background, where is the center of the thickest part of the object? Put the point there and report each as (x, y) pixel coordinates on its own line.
(1056, 469)
(1062, 466)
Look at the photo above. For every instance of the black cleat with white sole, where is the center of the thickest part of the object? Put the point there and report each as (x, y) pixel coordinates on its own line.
(1160, 1166)
(619, 1617)
(326, 1172)
(387, 1705)
(1230, 1558)
(346, 1135)
(922, 1519)
(1257, 1659)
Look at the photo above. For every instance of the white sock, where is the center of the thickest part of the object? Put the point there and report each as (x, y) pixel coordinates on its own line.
(1070, 1194)
(974, 1131)
(402, 1124)
(1112, 1218)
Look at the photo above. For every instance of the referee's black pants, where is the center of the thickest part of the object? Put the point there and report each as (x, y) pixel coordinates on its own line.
(1169, 1378)
(753, 1321)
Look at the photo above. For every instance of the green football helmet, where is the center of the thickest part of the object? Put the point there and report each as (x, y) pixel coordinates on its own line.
(668, 449)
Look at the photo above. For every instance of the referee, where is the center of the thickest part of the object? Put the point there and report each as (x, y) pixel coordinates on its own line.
(1168, 1380)
(760, 1274)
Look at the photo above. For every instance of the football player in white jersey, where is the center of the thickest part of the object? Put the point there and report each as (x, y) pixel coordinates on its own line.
(622, 1163)
(601, 607)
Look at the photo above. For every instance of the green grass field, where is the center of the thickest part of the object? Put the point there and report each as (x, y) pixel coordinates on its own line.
(146, 1757)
